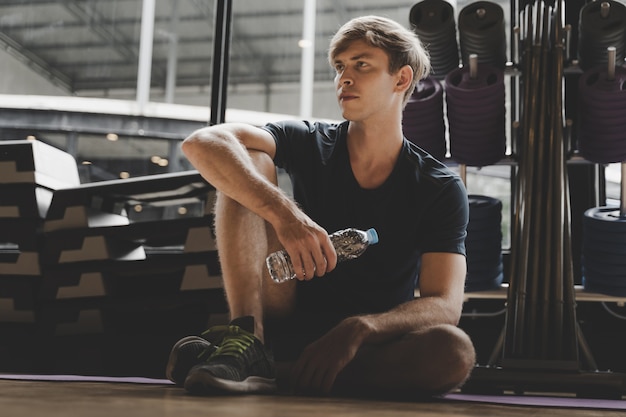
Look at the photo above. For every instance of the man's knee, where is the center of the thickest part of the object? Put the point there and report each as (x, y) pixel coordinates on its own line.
(265, 166)
(454, 355)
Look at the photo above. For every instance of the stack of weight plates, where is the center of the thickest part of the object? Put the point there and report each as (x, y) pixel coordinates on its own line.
(604, 251)
(597, 33)
(602, 137)
(476, 115)
(481, 32)
(433, 21)
(484, 244)
(422, 119)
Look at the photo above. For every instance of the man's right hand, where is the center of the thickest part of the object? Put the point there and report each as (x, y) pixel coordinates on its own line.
(309, 247)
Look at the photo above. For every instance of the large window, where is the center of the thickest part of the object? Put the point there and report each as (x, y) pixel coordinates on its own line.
(143, 70)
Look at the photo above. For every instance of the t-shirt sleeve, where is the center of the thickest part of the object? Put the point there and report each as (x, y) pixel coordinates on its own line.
(291, 141)
(448, 217)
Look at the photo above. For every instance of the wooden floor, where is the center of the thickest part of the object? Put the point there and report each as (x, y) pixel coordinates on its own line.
(106, 399)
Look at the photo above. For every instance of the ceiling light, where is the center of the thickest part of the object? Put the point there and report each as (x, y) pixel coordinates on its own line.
(112, 137)
(304, 43)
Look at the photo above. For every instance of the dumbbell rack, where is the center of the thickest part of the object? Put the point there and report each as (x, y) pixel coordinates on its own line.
(541, 347)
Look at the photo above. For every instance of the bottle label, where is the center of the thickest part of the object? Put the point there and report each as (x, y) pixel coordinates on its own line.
(349, 244)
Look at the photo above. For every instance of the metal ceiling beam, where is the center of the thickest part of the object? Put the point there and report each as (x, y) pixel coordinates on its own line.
(246, 55)
(11, 3)
(207, 6)
(343, 13)
(119, 22)
(191, 60)
(241, 38)
(201, 80)
(95, 123)
(93, 20)
(35, 62)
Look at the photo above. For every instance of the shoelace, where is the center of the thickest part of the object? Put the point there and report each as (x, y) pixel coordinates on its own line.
(208, 352)
(235, 342)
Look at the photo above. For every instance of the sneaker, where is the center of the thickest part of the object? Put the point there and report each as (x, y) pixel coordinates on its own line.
(241, 364)
(190, 351)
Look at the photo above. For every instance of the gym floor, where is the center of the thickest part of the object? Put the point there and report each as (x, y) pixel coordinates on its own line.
(94, 399)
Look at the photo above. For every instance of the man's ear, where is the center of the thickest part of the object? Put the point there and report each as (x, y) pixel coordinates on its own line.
(405, 77)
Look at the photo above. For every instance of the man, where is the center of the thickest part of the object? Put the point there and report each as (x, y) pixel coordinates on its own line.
(353, 328)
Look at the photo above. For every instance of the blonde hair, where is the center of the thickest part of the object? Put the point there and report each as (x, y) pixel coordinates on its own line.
(402, 46)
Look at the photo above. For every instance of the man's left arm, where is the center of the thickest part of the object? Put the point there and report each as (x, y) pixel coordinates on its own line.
(442, 279)
(441, 286)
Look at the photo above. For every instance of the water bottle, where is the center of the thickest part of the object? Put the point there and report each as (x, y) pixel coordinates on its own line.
(348, 243)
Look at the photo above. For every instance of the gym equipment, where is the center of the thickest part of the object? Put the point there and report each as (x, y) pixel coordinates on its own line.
(475, 97)
(602, 134)
(483, 243)
(602, 24)
(481, 33)
(423, 119)
(433, 21)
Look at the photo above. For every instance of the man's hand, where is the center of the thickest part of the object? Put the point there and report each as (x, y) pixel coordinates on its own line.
(321, 361)
(309, 247)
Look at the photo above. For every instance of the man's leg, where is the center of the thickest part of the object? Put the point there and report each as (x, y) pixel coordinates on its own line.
(430, 362)
(244, 240)
(241, 363)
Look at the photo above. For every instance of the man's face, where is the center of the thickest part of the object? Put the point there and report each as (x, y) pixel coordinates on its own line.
(363, 83)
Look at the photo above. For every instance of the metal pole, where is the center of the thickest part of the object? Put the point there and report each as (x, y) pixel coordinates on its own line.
(307, 68)
(145, 54)
(605, 8)
(172, 55)
(473, 66)
(221, 52)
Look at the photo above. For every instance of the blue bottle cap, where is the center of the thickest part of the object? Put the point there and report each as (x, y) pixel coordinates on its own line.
(372, 236)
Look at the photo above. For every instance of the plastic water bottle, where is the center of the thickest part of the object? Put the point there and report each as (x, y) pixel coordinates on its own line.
(348, 243)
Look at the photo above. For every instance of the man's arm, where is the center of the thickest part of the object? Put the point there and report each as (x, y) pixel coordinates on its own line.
(441, 284)
(442, 279)
(221, 154)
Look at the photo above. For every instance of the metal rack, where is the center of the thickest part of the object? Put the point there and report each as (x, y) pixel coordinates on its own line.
(541, 347)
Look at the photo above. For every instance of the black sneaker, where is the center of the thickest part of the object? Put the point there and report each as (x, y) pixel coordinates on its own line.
(241, 364)
(190, 351)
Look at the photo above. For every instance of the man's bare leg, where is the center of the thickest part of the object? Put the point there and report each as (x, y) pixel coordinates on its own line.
(429, 362)
(244, 240)
(418, 365)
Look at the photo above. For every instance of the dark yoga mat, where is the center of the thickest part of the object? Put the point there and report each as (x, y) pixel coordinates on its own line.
(521, 400)
(81, 378)
(540, 401)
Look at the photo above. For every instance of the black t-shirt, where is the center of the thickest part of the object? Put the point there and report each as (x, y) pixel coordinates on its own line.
(421, 207)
